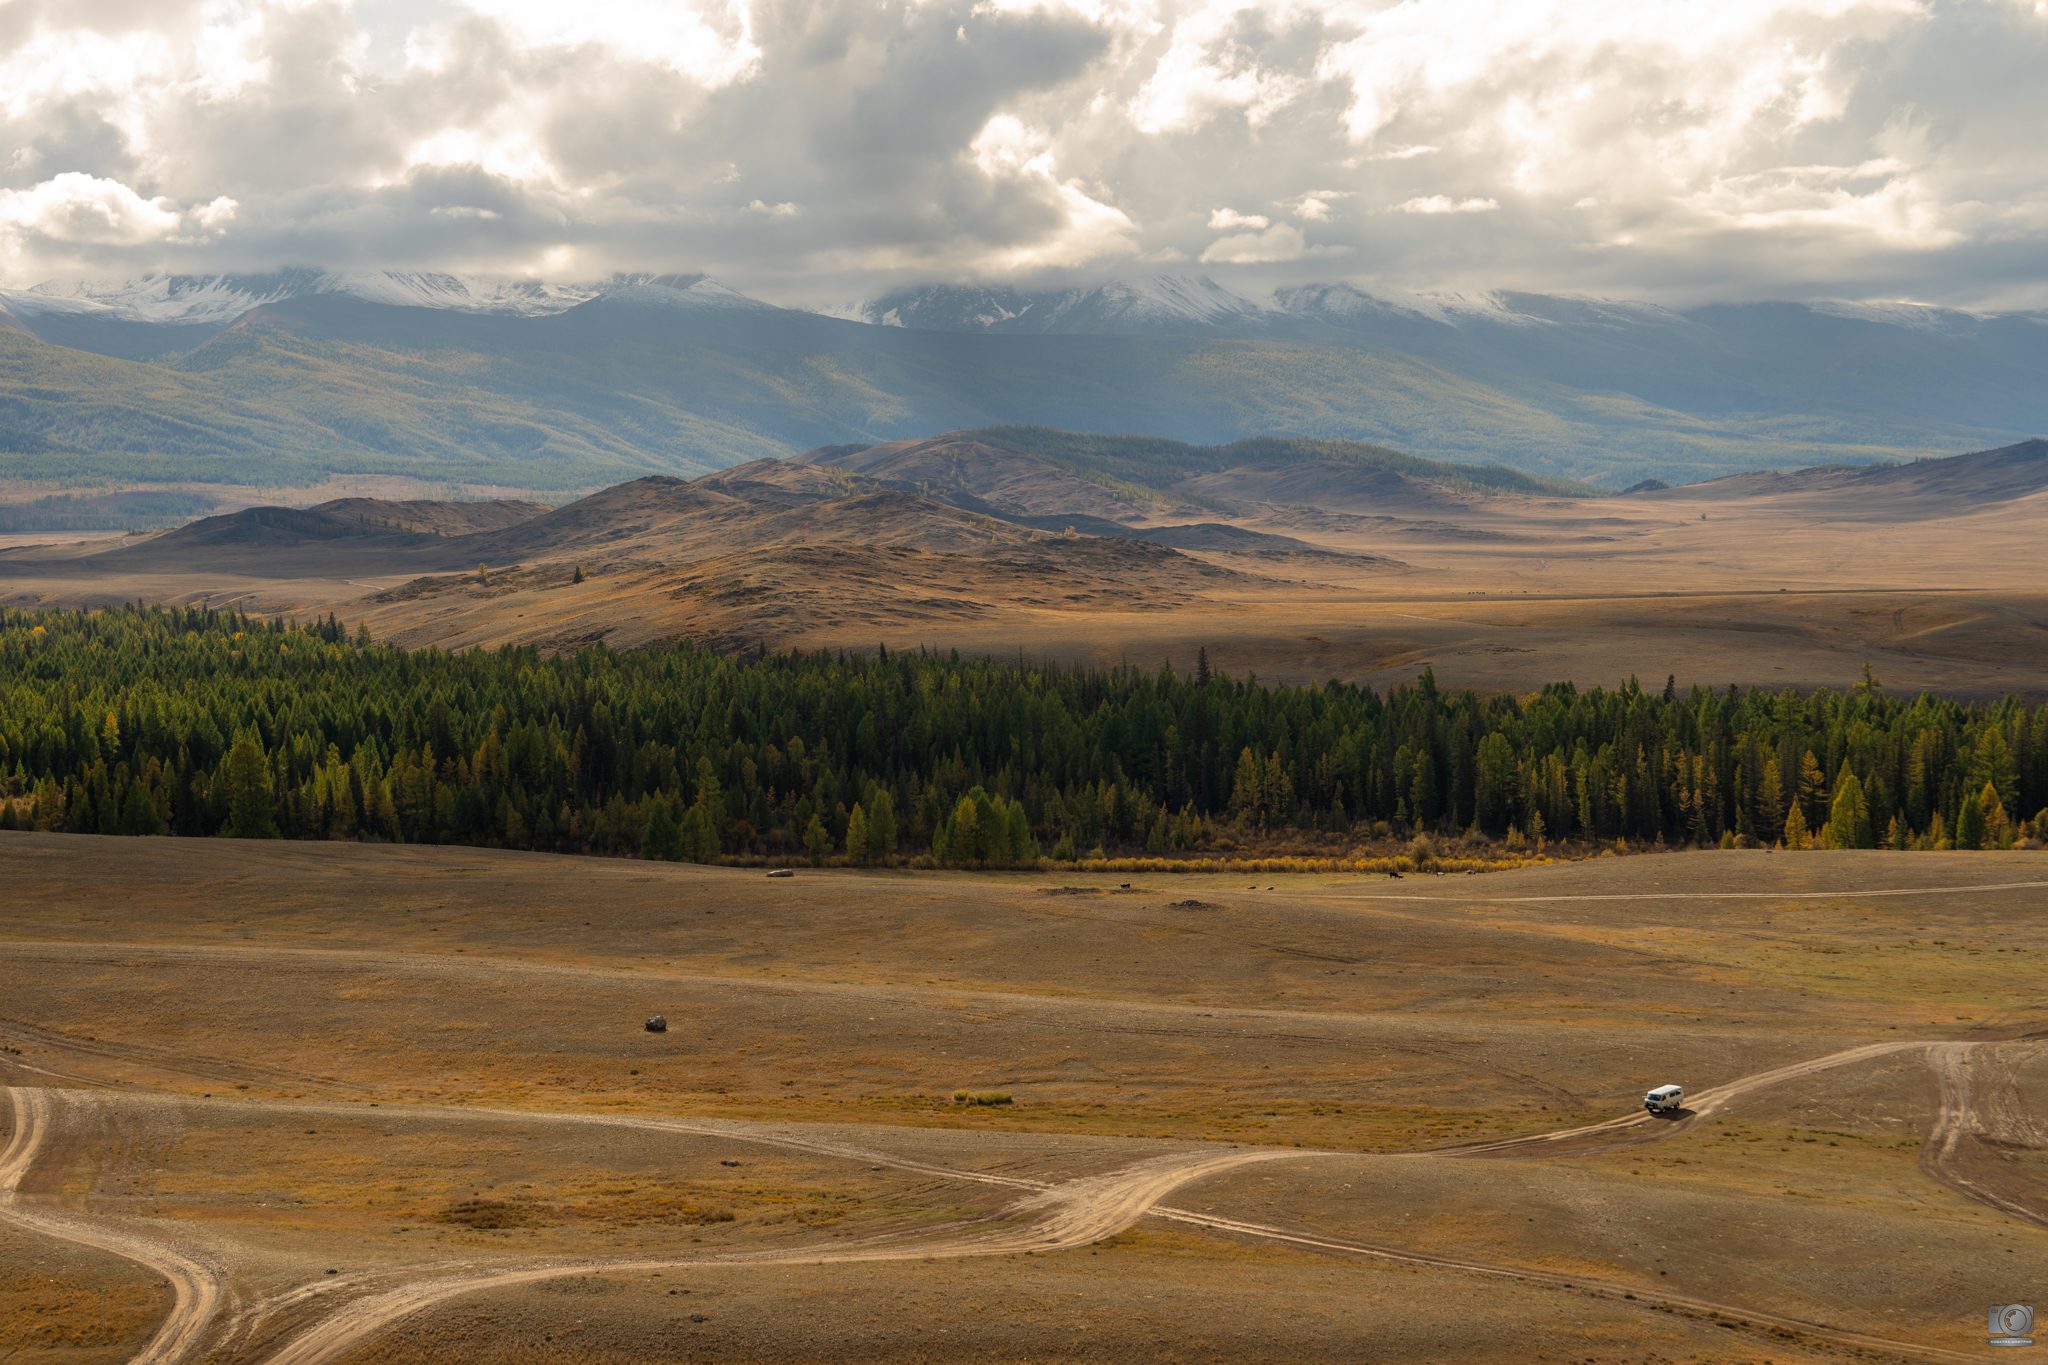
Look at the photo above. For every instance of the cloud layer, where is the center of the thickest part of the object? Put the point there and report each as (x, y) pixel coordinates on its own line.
(806, 151)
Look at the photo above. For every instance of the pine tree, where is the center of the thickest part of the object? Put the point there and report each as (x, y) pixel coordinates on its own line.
(881, 827)
(1848, 818)
(1970, 824)
(1280, 805)
(1248, 791)
(251, 811)
(857, 836)
(1021, 849)
(1795, 828)
(1422, 792)
(695, 836)
(1813, 783)
(816, 841)
(1770, 803)
(138, 812)
(1495, 783)
(664, 838)
(971, 836)
(1990, 763)
(1997, 827)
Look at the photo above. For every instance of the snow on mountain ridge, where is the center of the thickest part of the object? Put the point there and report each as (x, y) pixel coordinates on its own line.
(1919, 317)
(1145, 303)
(675, 291)
(190, 300)
(459, 293)
(171, 299)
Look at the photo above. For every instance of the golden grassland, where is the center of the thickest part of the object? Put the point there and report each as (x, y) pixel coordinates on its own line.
(365, 1059)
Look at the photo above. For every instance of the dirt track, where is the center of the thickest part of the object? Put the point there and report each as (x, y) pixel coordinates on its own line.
(1963, 1120)
(1048, 1217)
(198, 1286)
(1485, 1020)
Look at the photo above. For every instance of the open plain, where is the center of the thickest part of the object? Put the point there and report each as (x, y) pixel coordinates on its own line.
(309, 1103)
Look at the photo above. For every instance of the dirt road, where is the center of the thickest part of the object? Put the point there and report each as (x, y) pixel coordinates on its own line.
(1702, 895)
(1044, 1217)
(198, 1287)
(1964, 1118)
(1071, 1214)
(1706, 1102)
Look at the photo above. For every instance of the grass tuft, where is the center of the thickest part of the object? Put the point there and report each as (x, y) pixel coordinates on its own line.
(487, 1215)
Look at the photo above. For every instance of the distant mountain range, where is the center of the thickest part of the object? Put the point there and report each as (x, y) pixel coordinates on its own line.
(283, 378)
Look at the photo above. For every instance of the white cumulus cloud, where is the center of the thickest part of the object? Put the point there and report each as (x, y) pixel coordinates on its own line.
(1443, 203)
(76, 208)
(1842, 148)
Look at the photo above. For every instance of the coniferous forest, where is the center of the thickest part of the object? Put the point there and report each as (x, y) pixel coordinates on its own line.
(200, 723)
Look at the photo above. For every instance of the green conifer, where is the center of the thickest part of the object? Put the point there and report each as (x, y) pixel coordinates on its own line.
(251, 812)
(857, 836)
(1970, 823)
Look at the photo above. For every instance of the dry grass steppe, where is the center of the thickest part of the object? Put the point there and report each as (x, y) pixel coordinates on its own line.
(1316, 1121)
(1302, 573)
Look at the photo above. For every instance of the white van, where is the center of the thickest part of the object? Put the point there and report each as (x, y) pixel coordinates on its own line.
(1664, 1099)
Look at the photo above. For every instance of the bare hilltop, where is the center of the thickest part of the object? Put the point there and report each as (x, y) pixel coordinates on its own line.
(1297, 560)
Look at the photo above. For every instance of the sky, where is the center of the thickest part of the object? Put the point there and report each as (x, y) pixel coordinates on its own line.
(832, 150)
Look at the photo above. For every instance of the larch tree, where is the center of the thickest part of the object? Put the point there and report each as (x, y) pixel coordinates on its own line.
(252, 812)
(1795, 828)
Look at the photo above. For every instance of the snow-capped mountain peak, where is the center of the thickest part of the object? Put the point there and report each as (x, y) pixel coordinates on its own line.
(193, 300)
(1157, 303)
(161, 299)
(674, 291)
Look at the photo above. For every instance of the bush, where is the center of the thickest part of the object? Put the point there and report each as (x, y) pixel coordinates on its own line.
(981, 1097)
(488, 1215)
(1421, 852)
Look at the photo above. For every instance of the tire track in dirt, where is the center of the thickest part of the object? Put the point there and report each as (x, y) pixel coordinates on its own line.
(198, 1288)
(1057, 1216)
(1961, 1123)
(1071, 1214)
(1725, 1314)
(1086, 1209)
(1695, 895)
(1704, 1104)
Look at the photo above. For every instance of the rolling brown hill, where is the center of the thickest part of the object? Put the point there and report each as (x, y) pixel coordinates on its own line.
(1331, 486)
(986, 478)
(1795, 579)
(433, 518)
(1920, 491)
(273, 528)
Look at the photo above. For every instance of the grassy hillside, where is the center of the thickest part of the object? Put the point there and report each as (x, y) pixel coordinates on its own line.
(1153, 462)
(607, 392)
(276, 410)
